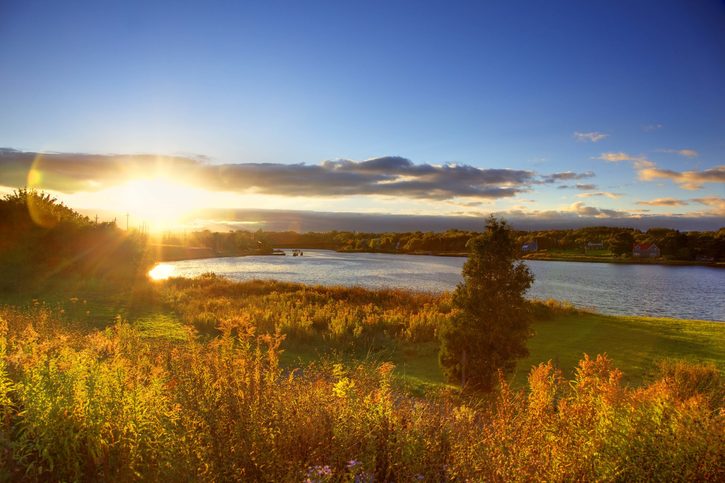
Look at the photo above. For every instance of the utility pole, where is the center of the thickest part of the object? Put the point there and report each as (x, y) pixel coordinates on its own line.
(126, 221)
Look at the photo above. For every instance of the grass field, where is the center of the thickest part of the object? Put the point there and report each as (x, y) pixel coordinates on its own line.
(635, 344)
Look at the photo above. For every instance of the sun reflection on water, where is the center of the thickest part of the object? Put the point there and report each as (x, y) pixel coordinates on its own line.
(162, 271)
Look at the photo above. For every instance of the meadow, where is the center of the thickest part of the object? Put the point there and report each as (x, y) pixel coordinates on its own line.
(207, 379)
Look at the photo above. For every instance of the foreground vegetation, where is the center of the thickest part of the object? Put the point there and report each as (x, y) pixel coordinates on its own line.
(354, 324)
(201, 379)
(124, 404)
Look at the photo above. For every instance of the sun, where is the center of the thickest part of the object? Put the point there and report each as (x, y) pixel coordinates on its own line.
(162, 271)
(159, 203)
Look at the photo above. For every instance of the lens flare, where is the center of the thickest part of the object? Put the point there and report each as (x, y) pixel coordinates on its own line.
(40, 216)
(162, 271)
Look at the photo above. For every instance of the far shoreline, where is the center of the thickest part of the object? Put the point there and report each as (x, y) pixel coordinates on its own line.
(198, 253)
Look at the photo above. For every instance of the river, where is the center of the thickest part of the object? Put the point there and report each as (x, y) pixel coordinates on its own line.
(689, 292)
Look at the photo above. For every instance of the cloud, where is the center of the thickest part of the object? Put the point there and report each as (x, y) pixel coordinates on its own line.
(72, 172)
(591, 137)
(583, 210)
(715, 202)
(618, 157)
(281, 220)
(689, 180)
(648, 170)
(651, 127)
(608, 194)
(465, 204)
(663, 202)
(567, 176)
(579, 186)
(387, 176)
(688, 153)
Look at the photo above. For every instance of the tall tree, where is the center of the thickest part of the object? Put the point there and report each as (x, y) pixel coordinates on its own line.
(491, 327)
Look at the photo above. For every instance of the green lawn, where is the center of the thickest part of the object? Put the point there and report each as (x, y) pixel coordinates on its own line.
(635, 344)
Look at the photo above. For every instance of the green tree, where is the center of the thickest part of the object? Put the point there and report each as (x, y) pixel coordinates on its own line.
(491, 327)
(621, 243)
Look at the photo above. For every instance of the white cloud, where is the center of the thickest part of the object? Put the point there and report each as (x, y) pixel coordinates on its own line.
(608, 194)
(612, 157)
(592, 137)
(688, 153)
(689, 180)
(648, 170)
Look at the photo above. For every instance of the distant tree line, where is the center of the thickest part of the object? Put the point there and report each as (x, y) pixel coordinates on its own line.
(238, 242)
(674, 245)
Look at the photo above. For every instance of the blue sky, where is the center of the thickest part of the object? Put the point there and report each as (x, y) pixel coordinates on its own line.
(491, 85)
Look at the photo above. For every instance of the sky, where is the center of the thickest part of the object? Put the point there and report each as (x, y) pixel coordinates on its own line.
(191, 114)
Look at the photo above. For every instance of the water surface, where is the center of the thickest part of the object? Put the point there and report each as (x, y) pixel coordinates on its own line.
(691, 292)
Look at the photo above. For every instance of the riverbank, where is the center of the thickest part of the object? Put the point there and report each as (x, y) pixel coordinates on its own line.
(169, 253)
(544, 256)
(401, 326)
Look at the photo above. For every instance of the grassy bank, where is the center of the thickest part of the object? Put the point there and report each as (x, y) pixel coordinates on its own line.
(353, 324)
(636, 345)
(606, 257)
(600, 256)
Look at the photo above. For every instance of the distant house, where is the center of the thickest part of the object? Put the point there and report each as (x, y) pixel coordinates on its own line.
(530, 247)
(595, 245)
(646, 250)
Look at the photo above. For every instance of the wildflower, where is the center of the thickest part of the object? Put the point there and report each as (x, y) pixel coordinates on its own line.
(364, 478)
(352, 464)
(318, 474)
(343, 387)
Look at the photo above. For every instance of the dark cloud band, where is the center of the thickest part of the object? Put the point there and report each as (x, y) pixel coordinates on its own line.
(387, 176)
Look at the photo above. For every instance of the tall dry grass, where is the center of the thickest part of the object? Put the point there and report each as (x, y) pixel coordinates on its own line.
(81, 405)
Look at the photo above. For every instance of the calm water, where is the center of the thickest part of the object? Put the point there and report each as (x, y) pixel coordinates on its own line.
(655, 290)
